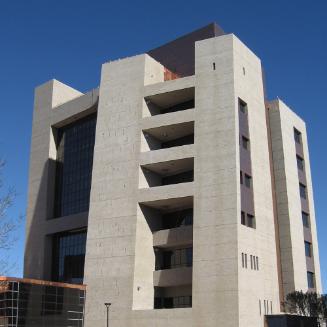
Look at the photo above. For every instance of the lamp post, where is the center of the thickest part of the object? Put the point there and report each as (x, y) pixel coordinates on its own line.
(108, 307)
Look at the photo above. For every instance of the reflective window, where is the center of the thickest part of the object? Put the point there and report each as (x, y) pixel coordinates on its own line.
(173, 302)
(303, 191)
(305, 219)
(311, 281)
(297, 136)
(247, 180)
(300, 163)
(69, 255)
(75, 144)
(308, 252)
(245, 143)
(177, 219)
(24, 304)
(242, 106)
(169, 259)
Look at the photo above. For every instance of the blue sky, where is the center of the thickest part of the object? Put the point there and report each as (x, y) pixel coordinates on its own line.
(69, 40)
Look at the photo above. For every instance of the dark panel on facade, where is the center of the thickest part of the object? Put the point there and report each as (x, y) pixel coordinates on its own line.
(69, 256)
(291, 321)
(75, 144)
(179, 55)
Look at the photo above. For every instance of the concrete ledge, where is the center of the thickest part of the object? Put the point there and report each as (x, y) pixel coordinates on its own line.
(163, 155)
(173, 277)
(75, 109)
(173, 237)
(168, 86)
(165, 192)
(66, 223)
(171, 118)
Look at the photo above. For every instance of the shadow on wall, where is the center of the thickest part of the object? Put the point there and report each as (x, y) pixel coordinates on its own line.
(38, 253)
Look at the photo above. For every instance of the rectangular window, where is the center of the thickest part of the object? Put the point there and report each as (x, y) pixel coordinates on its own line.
(308, 250)
(303, 191)
(243, 218)
(246, 260)
(257, 259)
(251, 258)
(245, 143)
(242, 106)
(300, 163)
(241, 177)
(68, 257)
(311, 281)
(305, 219)
(242, 260)
(297, 136)
(75, 145)
(247, 180)
(250, 221)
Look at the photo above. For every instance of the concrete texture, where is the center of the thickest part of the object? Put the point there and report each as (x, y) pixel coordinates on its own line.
(128, 199)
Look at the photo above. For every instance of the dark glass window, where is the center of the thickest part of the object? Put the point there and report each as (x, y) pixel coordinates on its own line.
(247, 180)
(305, 219)
(177, 219)
(173, 302)
(297, 136)
(250, 221)
(251, 260)
(75, 144)
(300, 163)
(169, 259)
(308, 251)
(187, 176)
(311, 279)
(185, 140)
(241, 177)
(257, 261)
(242, 106)
(243, 218)
(245, 143)
(303, 191)
(69, 256)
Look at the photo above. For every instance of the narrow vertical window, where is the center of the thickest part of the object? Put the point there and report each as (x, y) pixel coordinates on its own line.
(246, 260)
(300, 163)
(260, 307)
(251, 257)
(242, 106)
(214, 66)
(303, 191)
(310, 277)
(271, 310)
(257, 259)
(247, 180)
(264, 303)
(308, 249)
(241, 177)
(305, 219)
(242, 260)
(297, 136)
(243, 218)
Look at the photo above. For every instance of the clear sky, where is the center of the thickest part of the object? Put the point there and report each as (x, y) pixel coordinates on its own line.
(69, 40)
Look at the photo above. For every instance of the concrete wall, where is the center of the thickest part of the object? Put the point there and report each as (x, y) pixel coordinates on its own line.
(55, 104)
(283, 121)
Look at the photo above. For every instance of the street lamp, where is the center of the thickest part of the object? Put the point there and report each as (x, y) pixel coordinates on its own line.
(108, 307)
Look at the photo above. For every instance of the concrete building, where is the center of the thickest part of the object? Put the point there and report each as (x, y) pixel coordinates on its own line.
(175, 191)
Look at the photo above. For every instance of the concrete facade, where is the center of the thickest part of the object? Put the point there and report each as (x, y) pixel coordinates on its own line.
(166, 147)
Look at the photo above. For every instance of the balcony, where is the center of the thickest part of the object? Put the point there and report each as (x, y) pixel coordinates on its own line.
(168, 135)
(167, 173)
(174, 237)
(167, 102)
(172, 277)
